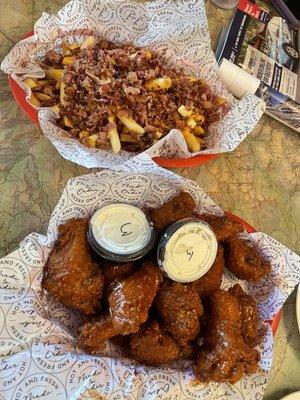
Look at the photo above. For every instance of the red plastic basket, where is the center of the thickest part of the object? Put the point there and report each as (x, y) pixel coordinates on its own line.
(32, 113)
(275, 321)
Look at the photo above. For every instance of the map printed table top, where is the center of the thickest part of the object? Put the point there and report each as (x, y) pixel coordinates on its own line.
(258, 181)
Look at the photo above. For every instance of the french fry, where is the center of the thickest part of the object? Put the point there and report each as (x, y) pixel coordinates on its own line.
(55, 108)
(68, 60)
(56, 74)
(42, 82)
(198, 130)
(42, 96)
(73, 46)
(113, 135)
(62, 94)
(34, 101)
(65, 46)
(132, 56)
(130, 123)
(158, 134)
(125, 137)
(30, 82)
(83, 134)
(91, 141)
(148, 54)
(221, 100)
(159, 83)
(184, 112)
(199, 118)
(191, 122)
(192, 143)
(199, 140)
(89, 41)
(68, 123)
(192, 79)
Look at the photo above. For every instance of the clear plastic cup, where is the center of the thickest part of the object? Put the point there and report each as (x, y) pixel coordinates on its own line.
(121, 232)
(187, 250)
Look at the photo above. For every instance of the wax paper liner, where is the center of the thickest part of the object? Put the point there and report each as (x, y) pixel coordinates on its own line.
(176, 29)
(39, 357)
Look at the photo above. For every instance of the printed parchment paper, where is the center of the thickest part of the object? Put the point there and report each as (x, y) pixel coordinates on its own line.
(39, 358)
(177, 29)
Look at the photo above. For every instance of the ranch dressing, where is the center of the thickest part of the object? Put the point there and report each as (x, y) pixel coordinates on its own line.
(187, 250)
(121, 232)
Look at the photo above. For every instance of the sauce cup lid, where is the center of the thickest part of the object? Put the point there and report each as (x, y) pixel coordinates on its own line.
(187, 250)
(121, 232)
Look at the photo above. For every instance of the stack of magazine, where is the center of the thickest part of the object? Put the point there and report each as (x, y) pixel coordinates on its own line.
(265, 45)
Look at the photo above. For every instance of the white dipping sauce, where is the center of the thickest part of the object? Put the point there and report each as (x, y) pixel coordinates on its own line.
(189, 251)
(121, 229)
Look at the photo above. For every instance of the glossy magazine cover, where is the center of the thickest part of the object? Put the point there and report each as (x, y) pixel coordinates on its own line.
(265, 45)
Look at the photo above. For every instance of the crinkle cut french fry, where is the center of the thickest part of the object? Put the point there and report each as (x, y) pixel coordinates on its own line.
(130, 123)
(113, 135)
(192, 143)
(30, 82)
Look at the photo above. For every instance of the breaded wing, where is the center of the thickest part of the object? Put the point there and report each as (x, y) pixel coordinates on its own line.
(225, 357)
(249, 314)
(152, 345)
(181, 206)
(179, 307)
(114, 272)
(93, 335)
(131, 298)
(223, 227)
(244, 261)
(211, 281)
(70, 274)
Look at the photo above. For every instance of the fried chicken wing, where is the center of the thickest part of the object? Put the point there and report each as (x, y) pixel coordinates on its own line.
(225, 357)
(179, 307)
(244, 261)
(114, 272)
(93, 335)
(131, 298)
(249, 315)
(70, 274)
(224, 227)
(152, 345)
(211, 281)
(181, 206)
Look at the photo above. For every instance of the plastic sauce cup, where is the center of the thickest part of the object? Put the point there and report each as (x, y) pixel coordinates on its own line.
(187, 250)
(121, 232)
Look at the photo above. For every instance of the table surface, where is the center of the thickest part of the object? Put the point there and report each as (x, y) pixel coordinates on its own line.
(258, 181)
